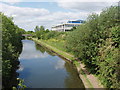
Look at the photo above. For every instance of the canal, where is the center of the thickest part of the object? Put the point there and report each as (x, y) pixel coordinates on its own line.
(41, 68)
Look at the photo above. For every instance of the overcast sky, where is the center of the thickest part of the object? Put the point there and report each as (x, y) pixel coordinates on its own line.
(48, 13)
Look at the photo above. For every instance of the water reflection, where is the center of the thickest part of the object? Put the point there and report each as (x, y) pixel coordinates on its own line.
(39, 48)
(73, 77)
(20, 68)
(46, 70)
(59, 64)
(43, 49)
(29, 51)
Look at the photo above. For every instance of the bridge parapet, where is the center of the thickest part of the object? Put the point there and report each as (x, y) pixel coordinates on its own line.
(27, 35)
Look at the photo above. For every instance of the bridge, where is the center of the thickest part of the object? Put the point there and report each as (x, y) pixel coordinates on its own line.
(27, 35)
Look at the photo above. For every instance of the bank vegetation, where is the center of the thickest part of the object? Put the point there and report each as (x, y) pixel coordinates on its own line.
(96, 43)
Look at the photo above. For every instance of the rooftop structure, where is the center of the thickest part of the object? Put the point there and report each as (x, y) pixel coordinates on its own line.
(67, 26)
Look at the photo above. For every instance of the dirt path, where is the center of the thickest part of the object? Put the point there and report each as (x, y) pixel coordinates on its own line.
(91, 79)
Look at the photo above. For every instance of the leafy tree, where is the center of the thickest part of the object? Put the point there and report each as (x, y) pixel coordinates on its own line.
(47, 30)
(37, 28)
(40, 32)
(11, 48)
(42, 28)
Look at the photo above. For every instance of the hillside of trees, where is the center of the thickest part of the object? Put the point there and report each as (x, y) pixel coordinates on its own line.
(11, 48)
(96, 43)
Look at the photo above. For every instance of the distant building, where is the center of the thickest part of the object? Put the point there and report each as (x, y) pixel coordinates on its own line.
(67, 26)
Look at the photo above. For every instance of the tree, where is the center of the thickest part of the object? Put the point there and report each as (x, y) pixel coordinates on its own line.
(40, 32)
(47, 30)
(42, 28)
(11, 48)
(37, 28)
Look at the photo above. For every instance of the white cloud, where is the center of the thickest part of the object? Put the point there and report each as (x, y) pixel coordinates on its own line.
(32, 55)
(20, 11)
(85, 6)
(28, 18)
(23, 16)
(59, 0)
(11, 1)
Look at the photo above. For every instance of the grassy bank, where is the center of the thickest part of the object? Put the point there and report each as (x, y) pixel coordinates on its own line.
(58, 51)
(85, 77)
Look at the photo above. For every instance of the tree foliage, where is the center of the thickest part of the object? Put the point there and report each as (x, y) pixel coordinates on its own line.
(11, 48)
(39, 31)
(96, 43)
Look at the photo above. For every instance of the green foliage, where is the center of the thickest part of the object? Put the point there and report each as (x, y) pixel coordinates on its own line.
(29, 32)
(39, 31)
(47, 30)
(115, 34)
(96, 43)
(73, 28)
(42, 28)
(76, 63)
(20, 85)
(52, 34)
(11, 47)
(37, 28)
(56, 43)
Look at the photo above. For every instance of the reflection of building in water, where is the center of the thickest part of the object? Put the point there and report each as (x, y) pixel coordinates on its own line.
(60, 64)
(67, 26)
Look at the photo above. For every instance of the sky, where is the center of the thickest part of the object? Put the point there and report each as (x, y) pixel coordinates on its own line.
(27, 14)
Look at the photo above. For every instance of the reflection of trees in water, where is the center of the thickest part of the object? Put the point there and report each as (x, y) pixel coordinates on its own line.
(40, 48)
(0, 71)
(72, 80)
(43, 49)
(11, 80)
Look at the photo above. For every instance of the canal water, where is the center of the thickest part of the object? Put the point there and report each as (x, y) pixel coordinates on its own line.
(41, 68)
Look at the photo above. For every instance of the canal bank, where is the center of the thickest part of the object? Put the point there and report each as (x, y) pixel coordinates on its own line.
(89, 80)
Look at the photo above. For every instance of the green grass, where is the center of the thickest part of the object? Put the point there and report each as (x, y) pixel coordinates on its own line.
(59, 44)
(76, 63)
(52, 47)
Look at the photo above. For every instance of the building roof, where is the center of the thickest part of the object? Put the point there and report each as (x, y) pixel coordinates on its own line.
(70, 22)
(75, 21)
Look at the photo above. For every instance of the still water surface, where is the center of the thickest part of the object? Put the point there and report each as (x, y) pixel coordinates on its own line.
(41, 68)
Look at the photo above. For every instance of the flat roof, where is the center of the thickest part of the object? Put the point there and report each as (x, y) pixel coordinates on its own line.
(67, 24)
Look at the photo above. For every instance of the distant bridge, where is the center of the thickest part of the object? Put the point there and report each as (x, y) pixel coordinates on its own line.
(27, 35)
